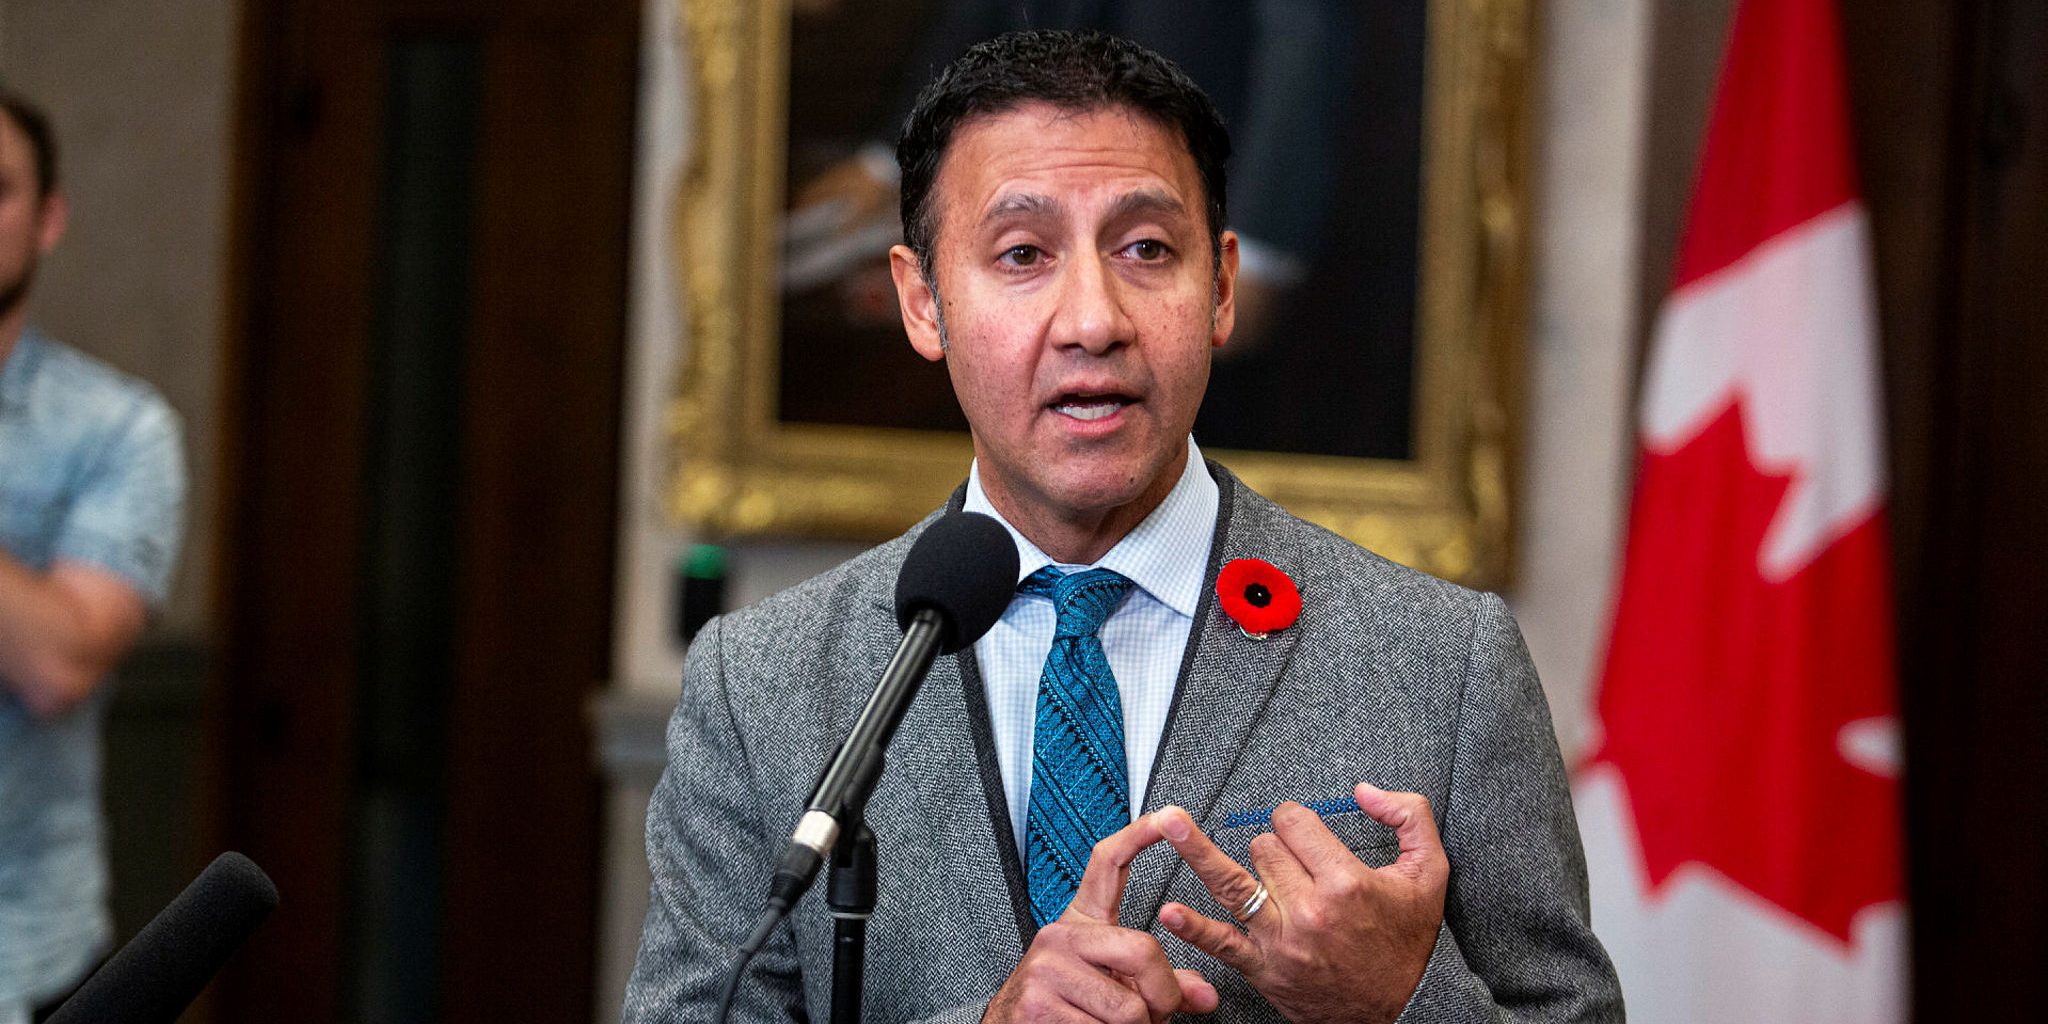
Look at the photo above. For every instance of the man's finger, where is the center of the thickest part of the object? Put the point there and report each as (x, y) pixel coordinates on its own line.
(1196, 994)
(1311, 842)
(1226, 879)
(1109, 865)
(1212, 937)
(1135, 957)
(1408, 815)
(1284, 875)
(1097, 996)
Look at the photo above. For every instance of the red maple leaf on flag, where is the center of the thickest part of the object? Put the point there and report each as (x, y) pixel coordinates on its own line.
(1731, 703)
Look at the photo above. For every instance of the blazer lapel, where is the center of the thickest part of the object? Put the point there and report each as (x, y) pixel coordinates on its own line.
(1226, 681)
(947, 745)
(936, 766)
(995, 799)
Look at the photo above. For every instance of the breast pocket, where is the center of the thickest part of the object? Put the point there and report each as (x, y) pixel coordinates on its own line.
(1368, 840)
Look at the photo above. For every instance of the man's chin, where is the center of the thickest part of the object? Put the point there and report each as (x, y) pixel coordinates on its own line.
(1108, 492)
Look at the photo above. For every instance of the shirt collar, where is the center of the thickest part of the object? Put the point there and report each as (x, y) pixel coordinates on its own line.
(1167, 555)
(20, 366)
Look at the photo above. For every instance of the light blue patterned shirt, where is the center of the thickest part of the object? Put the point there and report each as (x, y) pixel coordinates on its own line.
(1167, 556)
(91, 470)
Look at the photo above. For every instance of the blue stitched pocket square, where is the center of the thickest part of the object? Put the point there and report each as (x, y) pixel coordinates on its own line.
(1327, 808)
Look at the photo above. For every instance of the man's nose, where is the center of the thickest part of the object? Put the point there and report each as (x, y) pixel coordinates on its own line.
(1091, 313)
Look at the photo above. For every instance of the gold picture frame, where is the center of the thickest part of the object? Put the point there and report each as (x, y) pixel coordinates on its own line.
(738, 471)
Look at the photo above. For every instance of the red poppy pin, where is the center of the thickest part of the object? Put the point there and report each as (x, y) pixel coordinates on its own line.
(1257, 596)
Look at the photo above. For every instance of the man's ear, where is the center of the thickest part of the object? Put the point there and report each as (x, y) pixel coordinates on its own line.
(55, 217)
(919, 303)
(1226, 290)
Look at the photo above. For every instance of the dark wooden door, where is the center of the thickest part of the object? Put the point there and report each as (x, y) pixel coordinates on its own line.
(1952, 122)
(432, 202)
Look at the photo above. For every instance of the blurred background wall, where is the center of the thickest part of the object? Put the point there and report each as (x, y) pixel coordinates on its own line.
(404, 267)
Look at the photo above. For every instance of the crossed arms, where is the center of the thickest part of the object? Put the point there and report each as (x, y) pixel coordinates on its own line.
(62, 630)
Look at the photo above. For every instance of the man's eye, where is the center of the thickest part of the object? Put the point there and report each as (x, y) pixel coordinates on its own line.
(1149, 250)
(1021, 255)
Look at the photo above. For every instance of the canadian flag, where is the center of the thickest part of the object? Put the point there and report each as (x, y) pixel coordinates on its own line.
(1741, 805)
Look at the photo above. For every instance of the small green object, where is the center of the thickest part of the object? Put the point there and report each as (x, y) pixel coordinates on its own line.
(704, 562)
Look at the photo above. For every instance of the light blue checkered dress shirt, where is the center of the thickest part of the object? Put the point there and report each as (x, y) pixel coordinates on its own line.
(91, 471)
(1167, 556)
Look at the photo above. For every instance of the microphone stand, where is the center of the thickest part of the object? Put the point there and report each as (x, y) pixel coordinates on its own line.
(850, 890)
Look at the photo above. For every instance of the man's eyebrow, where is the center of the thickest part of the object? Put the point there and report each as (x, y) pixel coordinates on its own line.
(1128, 205)
(1146, 201)
(1029, 204)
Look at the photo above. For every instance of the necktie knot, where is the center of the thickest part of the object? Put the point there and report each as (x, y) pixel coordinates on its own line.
(1083, 600)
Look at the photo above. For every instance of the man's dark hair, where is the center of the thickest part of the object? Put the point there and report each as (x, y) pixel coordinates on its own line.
(1074, 71)
(33, 124)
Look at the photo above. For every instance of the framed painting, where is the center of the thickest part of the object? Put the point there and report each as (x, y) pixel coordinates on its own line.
(1377, 179)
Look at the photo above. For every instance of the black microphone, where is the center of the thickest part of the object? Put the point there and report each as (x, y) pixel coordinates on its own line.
(955, 584)
(158, 973)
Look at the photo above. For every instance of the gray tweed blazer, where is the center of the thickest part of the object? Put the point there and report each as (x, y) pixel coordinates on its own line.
(1390, 676)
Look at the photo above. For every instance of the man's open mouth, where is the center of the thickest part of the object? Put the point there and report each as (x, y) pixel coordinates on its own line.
(1090, 407)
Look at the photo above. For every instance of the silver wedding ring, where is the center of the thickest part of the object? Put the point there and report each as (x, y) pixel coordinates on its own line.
(1252, 906)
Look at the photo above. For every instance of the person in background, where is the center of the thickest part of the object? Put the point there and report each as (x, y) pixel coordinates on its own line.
(92, 488)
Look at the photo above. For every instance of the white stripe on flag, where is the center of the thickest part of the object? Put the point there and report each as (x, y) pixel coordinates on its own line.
(1706, 950)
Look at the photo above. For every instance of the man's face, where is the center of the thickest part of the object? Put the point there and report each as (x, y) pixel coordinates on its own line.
(30, 222)
(1080, 305)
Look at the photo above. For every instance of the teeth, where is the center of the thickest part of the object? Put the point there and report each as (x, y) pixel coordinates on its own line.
(1088, 410)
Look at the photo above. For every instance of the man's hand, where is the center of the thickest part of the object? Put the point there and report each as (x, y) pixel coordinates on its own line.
(1084, 967)
(1336, 940)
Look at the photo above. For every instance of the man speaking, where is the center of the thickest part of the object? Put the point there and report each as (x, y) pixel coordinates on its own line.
(1212, 759)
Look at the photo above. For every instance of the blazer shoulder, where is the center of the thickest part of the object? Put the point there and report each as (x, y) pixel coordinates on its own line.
(1333, 565)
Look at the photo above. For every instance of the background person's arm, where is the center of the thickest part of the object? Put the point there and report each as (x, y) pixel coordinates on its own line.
(61, 631)
(109, 562)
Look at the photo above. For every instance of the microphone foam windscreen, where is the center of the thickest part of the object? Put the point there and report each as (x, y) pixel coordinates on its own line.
(155, 976)
(964, 565)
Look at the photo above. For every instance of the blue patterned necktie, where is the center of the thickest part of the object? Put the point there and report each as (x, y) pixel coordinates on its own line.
(1080, 786)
